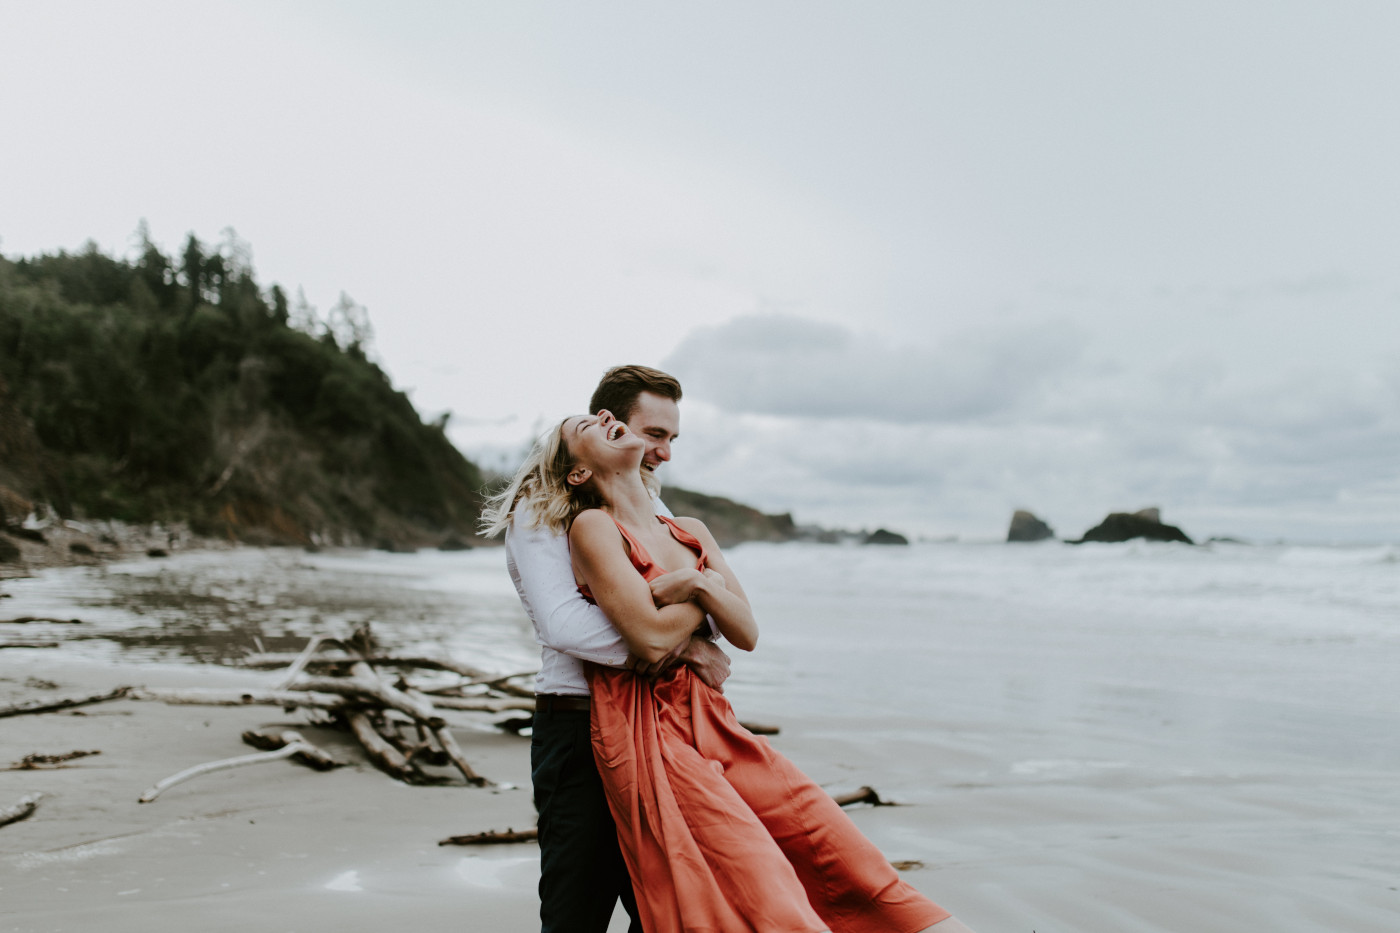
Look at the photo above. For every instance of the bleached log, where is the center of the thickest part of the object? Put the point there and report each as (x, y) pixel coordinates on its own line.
(287, 751)
(311, 756)
(300, 661)
(380, 751)
(493, 837)
(483, 704)
(363, 682)
(454, 752)
(449, 744)
(224, 696)
(28, 644)
(48, 706)
(270, 660)
(20, 811)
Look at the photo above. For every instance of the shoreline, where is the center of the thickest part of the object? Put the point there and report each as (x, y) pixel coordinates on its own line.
(1135, 740)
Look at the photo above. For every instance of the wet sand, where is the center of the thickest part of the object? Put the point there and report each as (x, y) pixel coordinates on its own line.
(1038, 797)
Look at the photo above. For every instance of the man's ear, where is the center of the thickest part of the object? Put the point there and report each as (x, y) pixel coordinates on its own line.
(578, 476)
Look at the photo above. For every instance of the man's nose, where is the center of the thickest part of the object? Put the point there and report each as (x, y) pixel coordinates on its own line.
(663, 451)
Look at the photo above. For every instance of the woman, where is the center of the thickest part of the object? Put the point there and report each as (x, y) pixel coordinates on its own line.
(720, 833)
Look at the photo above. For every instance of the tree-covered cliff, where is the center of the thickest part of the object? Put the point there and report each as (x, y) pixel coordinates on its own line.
(178, 389)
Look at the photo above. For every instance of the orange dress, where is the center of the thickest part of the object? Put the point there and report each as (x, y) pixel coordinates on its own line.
(720, 833)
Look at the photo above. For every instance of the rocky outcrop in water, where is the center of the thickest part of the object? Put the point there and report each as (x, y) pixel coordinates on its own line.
(1125, 526)
(885, 536)
(1026, 527)
(729, 521)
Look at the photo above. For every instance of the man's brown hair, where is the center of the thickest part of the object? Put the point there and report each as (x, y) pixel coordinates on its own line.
(618, 389)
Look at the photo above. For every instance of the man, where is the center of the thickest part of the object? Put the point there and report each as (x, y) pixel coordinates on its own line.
(582, 873)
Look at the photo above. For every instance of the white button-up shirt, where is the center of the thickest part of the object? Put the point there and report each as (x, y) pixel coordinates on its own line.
(568, 627)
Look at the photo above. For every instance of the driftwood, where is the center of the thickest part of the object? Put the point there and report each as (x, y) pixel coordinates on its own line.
(383, 753)
(20, 811)
(311, 756)
(272, 660)
(222, 696)
(449, 744)
(758, 728)
(485, 704)
(346, 684)
(494, 837)
(863, 795)
(48, 706)
(297, 746)
(28, 644)
(25, 620)
(36, 761)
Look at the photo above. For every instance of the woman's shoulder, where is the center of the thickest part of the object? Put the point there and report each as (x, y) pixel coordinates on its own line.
(592, 526)
(696, 528)
(590, 519)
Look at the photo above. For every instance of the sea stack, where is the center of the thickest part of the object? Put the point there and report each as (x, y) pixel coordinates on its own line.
(884, 536)
(1124, 526)
(1026, 527)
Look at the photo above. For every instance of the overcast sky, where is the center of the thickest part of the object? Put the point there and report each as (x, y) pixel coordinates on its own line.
(918, 264)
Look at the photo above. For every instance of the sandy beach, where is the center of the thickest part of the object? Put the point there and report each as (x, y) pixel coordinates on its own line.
(1054, 779)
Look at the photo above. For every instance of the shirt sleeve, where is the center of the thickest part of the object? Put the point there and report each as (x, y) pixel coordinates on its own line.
(543, 574)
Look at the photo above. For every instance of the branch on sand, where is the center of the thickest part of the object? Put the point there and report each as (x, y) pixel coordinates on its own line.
(863, 795)
(295, 746)
(20, 811)
(492, 837)
(48, 706)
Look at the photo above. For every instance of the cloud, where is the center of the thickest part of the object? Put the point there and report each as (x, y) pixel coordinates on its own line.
(846, 429)
(795, 367)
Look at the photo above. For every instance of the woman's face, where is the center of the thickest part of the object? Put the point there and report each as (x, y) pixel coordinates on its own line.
(601, 441)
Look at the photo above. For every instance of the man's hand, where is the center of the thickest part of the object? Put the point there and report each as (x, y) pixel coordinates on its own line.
(678, 586)
(637, 666)
(706, 661)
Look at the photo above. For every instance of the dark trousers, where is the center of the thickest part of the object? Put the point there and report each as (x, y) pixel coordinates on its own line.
(582, 873)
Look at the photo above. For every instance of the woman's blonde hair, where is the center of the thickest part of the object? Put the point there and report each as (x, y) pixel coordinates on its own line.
(542, 483)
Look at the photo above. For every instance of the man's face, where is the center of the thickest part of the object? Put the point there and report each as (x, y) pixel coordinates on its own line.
(656, 420)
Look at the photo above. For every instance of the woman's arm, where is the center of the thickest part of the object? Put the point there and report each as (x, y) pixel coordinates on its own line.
(600, 560)
(723, 598)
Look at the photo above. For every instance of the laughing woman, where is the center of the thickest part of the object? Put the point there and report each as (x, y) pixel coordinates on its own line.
(719, 831)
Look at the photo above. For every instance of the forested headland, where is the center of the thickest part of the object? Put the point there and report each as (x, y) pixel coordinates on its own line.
(178, 389)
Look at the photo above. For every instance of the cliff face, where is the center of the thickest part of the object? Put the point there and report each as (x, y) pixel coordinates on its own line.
(145, 391)
(729, 521)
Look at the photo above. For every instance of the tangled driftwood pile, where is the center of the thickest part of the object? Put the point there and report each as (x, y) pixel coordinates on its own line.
(398, 723)
(352, 684)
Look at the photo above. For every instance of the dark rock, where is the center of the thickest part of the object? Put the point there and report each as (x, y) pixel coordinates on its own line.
(157, 552)
(79, 547)
(1026, 527)
(729, 521)
(883, 536)
(1124, 526)
(28, 534)
(9, 552)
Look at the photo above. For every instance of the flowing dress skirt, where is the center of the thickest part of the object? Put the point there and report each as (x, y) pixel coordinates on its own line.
(721, 834)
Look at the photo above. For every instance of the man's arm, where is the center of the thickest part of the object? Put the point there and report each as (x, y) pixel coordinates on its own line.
(544, 577)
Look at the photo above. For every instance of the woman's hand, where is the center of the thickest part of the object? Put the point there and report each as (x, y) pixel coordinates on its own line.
(675, 587)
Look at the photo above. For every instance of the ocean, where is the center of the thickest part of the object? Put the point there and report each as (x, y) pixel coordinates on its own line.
(1079, 730)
